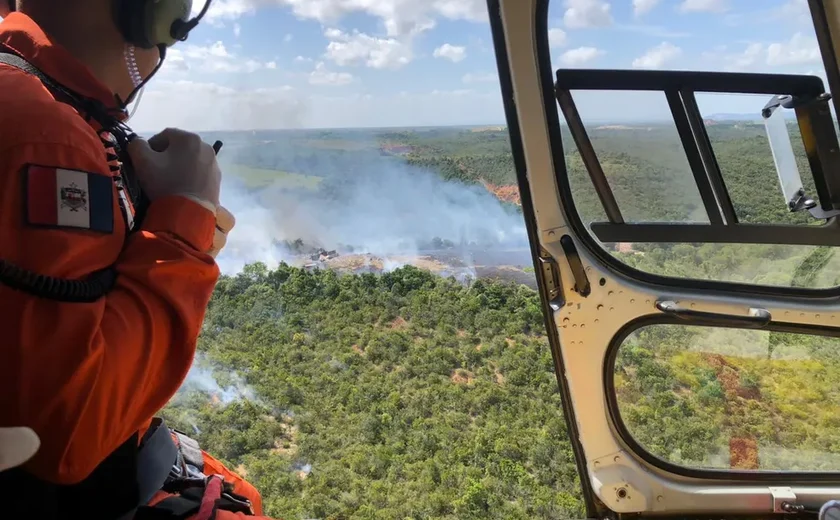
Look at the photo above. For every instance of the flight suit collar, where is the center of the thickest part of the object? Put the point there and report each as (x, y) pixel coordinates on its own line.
(22, 35)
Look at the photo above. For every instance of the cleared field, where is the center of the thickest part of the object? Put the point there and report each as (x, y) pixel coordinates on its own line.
(262, 177)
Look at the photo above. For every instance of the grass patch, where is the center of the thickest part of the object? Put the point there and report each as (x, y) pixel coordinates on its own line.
(262, 177)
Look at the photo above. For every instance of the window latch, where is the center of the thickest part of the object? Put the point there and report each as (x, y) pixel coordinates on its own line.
(784, 500)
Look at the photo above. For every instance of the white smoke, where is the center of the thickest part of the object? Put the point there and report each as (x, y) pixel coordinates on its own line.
(388, 209)
(253, 237)
(201, 378)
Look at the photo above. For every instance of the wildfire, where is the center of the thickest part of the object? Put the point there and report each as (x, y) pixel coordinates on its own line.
(509, 193)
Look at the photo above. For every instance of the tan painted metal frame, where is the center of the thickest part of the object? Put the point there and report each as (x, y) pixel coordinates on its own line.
(622, 480)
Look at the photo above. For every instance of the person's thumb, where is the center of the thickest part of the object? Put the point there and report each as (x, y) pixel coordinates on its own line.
(219, 241)
(225, 219)
(17, 445)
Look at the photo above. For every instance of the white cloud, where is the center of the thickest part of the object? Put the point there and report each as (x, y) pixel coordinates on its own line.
(455, 92)
(359, 48)
(640, 7)
(241, 107)
(654, 31)
(798, 50)
(400, 17)
(795, 9)
(287, 38)
(580, 56)
(221, 10)
(587, 13)
(252, 65)
(704, 6)
(175, 61)
(301, 59)
(184, 103)
(453, 53)
(237, 30)
(214, 58)
(751, 55)
(791, 13)
(321, 76)
(556, 37)
(490, 77)
(657, 57)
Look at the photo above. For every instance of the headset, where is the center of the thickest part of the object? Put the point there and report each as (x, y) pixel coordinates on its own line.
(147, 23)
(154, 23)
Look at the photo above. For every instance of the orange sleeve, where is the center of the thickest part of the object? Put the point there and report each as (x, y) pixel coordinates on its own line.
(86, 376)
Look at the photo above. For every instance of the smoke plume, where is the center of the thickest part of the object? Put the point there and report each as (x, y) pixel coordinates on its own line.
(386, 208)
(201, 377)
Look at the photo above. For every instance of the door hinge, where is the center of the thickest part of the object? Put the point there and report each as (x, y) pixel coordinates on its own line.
(551, 279)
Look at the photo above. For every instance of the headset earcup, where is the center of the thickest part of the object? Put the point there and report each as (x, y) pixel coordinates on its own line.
(162, 15)
(130, 17)
(148, 23)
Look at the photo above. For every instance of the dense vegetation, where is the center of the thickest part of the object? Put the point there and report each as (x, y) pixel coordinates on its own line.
(731, 398)
(409, 395)
(406, 395)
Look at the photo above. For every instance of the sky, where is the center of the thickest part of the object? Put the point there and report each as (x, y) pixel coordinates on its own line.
(263, 64)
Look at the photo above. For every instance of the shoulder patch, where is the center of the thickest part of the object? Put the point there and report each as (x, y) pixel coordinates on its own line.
(62, 198)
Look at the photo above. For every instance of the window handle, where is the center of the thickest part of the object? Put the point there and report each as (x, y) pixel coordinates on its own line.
(757, 317)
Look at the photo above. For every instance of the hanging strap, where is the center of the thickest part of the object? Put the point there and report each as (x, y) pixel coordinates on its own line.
(90, 106)
(158, 453)
(201, 497)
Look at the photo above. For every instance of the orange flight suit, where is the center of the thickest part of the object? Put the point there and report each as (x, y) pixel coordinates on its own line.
(86, 376)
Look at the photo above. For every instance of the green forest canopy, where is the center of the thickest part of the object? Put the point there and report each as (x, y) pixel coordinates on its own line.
(407, 395)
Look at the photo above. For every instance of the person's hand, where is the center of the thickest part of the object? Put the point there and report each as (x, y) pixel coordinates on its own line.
(17, 445)
(175, 162)
(224, 223)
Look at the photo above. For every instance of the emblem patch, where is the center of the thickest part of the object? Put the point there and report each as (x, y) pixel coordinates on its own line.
(74, 197)
(62, 198)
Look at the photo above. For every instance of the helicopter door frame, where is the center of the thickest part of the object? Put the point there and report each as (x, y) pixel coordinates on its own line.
(590, 305)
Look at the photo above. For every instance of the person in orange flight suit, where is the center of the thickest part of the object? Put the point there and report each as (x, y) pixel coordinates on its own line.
(88, 376)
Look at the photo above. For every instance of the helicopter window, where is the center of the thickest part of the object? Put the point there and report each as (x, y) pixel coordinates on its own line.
(745, 156)
(681, 191)
(635, 156)
(721, 398)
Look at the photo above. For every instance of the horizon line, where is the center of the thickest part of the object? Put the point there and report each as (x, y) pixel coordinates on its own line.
(482, 125)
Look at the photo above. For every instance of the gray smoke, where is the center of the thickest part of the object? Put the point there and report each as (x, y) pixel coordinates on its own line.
(389, 209)
(201, 377)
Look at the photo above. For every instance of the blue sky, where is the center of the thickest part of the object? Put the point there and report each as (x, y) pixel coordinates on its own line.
(349, 63)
